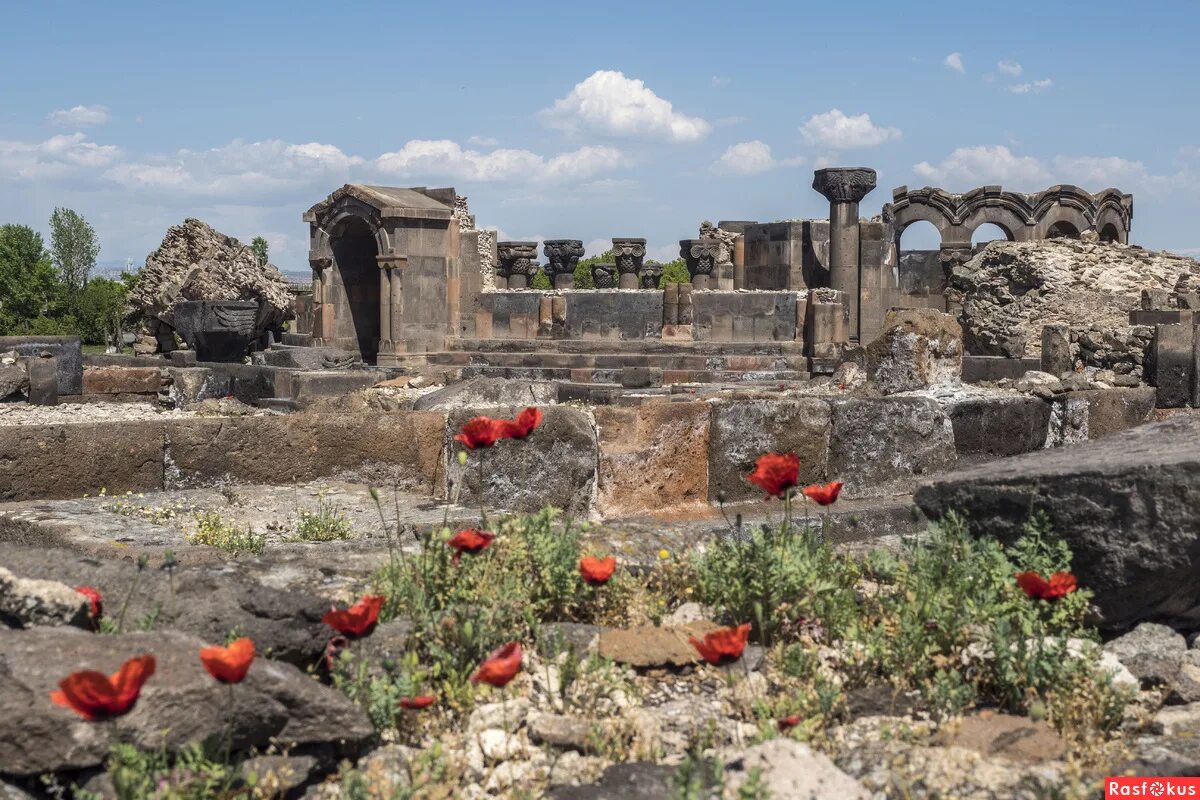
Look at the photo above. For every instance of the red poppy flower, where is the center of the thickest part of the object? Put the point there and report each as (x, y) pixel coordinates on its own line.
(500, 667)
(597, 571)
(1034, 585)
(470, 541)
(229, 664)
(482, 432)
(418, 702)
(775, 473)
(788, 722)
(358, 619)
(95, 696)
(824, 495)
(523, 425)
(724, 644)
(95, 602)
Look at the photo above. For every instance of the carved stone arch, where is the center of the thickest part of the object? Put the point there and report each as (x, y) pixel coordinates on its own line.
(1059, 217)
(1015, 228)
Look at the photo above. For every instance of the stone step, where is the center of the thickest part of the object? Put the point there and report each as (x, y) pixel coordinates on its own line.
(624, 346)
(731, 363)
(613, 376)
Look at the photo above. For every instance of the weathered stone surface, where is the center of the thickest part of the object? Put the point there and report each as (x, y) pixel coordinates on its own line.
(1162, 755)
(187, 386)
(555, 465)
(653, 457)
(651, 646)
(1002, 425)
(67, 351)
(13, 379)
(1011, 289)
(28, 602)
(1177, 721)
(209, 599)
(883, 446)
(1056, 349)
(744, 429)
(1153, 653)
(1018, 739)
(559, 730)
(376, 448)
(792, 769)
(180, 703)
(196, 262)
(43, 380)
(478, 392)
(1114, 410)
(121, 380)
(630, 781)
(918, 348)
(1125, 504)
(58, 461)
(1172, 364)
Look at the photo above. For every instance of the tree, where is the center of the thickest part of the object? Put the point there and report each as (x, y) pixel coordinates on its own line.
(583, 270)
(29, 288)
(101, 311)
(674, 272)
(260, 247)
(73, 247)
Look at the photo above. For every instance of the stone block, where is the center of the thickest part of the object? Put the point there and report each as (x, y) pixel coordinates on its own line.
(918, 348)
(999, 426)
(686, 311)
(13, 380)
(43, 380)
(66, 349)
(1056, 349)
(484, 391)
(743, 429)
(52, 462)
(369, 447)
(1161, 317)
(555, 465)
(122, 380)
(189, 385)
(1126, 504)
(641, 377)
(1173, 364)
(1196, 367)
(653, 457)
(1114, 410)
(885, 446)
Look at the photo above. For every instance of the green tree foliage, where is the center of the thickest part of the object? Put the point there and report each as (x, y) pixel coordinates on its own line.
(73, 248)
(29, 287)
(540, 281)
(100, 311)
(260, 247)
(583, 270)
(674, 272)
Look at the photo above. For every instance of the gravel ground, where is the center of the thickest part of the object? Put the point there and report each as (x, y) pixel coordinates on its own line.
(25, 414)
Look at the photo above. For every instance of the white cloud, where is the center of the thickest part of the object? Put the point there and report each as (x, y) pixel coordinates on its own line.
(444, 158)
(955, 62)
(80, 116)
(483, 141)
(975, 166)
(968, 167)
(57, 156)
(835, 130)
(750, 158)
(1035, 86)
(1010, 68)
(719, 82)
(607, 102)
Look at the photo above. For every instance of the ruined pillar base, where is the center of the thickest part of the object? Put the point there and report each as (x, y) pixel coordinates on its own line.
(565, 280)
(700, 282)
(629, 280)
(518, 282)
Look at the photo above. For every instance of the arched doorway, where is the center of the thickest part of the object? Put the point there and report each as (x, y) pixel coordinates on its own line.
(1110, 233)
(354, 250)
(1062, 230)
(918, 267)
(988, 232)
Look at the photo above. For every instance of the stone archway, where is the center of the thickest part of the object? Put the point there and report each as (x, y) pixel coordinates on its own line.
(355, 269)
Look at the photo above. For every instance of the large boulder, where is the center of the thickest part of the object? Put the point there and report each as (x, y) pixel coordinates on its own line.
(883, 446)
(27, 603)
(180, 704)
(918, 348)
(196, 262)
(1126, 504)
(791, 769)
(1010, 290)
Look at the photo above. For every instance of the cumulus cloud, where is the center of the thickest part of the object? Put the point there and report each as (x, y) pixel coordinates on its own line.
(444, 158)
(1010, 68)
(80, 116)
(751, 158)
(1034, 87)
(835, 130)
(968, 167)
(483, 141)
(955, 62)
(609, 103)
(58, 156)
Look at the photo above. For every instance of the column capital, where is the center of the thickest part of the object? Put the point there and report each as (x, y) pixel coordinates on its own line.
(844, 184)
(391, 261)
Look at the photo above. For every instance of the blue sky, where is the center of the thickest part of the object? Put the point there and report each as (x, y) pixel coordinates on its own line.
(617, 119)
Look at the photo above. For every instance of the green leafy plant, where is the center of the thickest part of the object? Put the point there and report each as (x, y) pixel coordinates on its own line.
(212, 530)
(326, 524)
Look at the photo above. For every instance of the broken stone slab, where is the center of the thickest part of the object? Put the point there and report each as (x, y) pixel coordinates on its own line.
(1173, 364)
(484, 391)
(744, 429)
(1056, 349)
(632, 780)
(121, 380)
(555, 465)
(651, 646)
(918, 348)
(43, 380)
(66, 349)
(13, 380)
(1177, 721)
(1000, 425)
(277, 704)
(29, 602)
(1125, 504)
(1019, 739)
(1153, 653)
(1116, 409)
(884, 446)
(791, 769)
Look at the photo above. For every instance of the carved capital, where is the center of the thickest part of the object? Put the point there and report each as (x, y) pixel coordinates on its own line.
(516, 258)
(628, 254)
(391, 261)
(844, 184)
(562, 255)
(604, 275)
(650, 274)
(700, 255)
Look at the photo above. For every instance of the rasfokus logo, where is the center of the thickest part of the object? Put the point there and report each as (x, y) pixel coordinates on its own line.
(1151, 787)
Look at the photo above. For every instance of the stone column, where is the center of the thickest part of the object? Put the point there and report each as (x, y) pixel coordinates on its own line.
(844, 187)
(629, 254)
(563, 256)
(396, 273)
(700, 255)
(650, 275)
(518, 263)
(739, 262)
(323, 318)
(385, 306)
